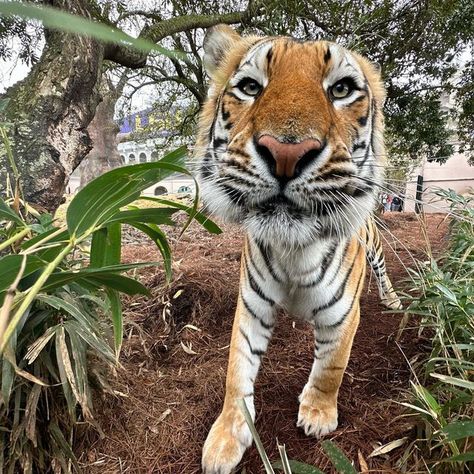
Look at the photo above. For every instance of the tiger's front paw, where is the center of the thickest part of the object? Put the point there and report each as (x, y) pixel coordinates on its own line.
(225, 444)
(316, 417)
(392, 303)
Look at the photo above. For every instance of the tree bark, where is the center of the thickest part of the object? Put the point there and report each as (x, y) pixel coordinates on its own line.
(103, 132)
(50, 111)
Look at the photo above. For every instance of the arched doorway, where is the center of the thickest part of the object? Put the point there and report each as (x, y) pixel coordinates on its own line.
(160, 190)
(142, 157)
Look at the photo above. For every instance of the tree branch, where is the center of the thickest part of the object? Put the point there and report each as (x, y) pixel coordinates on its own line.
(156, 32)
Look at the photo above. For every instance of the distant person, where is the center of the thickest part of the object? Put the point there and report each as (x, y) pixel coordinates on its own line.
(384, 202)
(396, 204)
(388, 204)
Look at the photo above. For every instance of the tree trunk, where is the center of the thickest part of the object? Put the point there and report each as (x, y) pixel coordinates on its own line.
(50, 111)
(103, 132)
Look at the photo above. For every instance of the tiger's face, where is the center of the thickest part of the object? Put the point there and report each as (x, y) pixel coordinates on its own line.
(290, 138)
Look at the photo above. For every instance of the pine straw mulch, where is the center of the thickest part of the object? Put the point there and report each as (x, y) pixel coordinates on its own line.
(166, 398)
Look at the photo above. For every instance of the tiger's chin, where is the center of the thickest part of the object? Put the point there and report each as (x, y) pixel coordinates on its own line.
(278, 221)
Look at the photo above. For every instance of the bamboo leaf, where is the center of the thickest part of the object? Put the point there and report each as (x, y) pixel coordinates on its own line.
(10, 266)
(8, 214)
(284, 459)
(204, 220)
(458, 430)
(298, 467)
(68, 394)
(469, 456)
(386, 448)
(106, 246)
(338, 458)
(159, 237)
(61, 278)
(454, 381)
(96, 203)
(119, 283)
(157, 215)
(117, 319)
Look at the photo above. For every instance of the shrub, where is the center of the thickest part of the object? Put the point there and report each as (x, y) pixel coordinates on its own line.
(60, 306)
(444, 387)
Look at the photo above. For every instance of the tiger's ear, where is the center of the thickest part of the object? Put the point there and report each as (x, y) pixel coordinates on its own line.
(217, 43)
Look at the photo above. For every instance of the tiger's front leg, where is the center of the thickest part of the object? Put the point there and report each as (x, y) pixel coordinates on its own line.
(335, 322)
(253, 326)
(318, 401)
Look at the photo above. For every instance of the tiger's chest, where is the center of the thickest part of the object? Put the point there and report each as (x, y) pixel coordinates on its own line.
(302, 281)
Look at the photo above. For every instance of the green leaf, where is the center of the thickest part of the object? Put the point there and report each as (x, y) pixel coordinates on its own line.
(64, 446)
(298, 467)
(204, 220)
(98, 344)
(96, 203)
(58, 279)
(61, 237)
(469, 456)
(4, 104)
(117, 319)
(454, 381)
(458, 430)
(106, 246)
(119, 283)
(338, 458)
(62, 305)
(10, 266)
(157, 215)
(447, 292)
(158, 236)
(59, 20)
(6, 213)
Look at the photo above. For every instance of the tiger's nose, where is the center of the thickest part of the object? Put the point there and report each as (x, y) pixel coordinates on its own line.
(283, 158)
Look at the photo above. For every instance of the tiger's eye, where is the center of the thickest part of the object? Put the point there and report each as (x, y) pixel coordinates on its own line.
(341, 89)
(249, 86)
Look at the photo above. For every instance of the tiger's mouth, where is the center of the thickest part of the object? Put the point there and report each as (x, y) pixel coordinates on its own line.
(277, 203)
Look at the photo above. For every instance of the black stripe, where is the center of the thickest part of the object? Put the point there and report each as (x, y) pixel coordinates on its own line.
(363, 120)
(268, 263)
(320, 389)
(257, 352)
(325, 341)
(206, 166)
(357, 146)
(327, 55)
(252, 261)
(338, 323)
(255, 286)
(249, 359)
(358, 99)
(218, 142)
(340, 291)
(324, 266)
(231, 94)
(254, 315)
(234, 194)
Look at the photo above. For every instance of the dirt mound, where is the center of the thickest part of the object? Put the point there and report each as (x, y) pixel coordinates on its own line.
(174, 360)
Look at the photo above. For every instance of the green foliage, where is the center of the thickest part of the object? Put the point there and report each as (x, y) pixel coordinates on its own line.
(61, 317)
(444, 395)
(336, 456)
(57, 19)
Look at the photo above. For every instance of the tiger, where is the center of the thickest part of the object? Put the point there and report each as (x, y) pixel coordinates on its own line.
(290, 147)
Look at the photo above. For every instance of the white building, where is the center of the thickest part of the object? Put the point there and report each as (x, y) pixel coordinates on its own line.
(455, 174)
